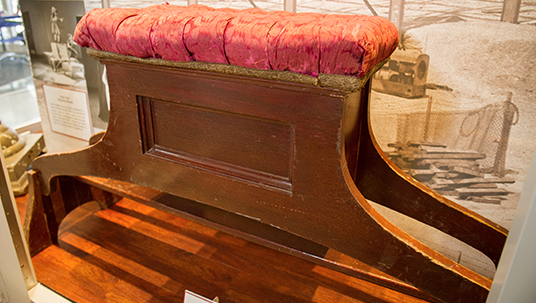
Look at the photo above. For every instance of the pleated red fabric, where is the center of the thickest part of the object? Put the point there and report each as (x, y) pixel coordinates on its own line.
(167, 35)
(245, 38)
(306, 43)
(97, 28)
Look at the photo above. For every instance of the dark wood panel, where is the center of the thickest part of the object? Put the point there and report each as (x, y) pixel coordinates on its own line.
(203, 138)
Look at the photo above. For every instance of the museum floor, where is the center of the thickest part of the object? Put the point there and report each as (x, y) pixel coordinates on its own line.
(134, 253)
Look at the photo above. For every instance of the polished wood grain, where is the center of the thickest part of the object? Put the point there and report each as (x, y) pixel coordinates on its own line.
(22, 206)
(135, 253)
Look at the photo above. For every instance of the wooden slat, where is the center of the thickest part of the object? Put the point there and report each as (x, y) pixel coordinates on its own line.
(447, 162)
(510, 11)
(469, 155)
(487, 200)
(469, 181)
(465, 192)
(467, 171)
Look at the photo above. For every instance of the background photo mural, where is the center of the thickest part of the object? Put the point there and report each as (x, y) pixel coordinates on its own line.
(454, 106)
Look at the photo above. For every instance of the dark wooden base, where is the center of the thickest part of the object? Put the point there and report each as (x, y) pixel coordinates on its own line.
(285, 165)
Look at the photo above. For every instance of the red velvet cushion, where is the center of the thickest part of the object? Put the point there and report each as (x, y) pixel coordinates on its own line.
(306, 43)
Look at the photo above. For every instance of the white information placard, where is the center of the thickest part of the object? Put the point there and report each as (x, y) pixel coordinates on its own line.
(68, 111)
(190, 297)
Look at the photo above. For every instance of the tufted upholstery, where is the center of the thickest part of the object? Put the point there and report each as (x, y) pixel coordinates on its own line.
(305, 43)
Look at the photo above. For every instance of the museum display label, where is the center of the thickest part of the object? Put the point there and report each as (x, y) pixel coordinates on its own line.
(68, 111)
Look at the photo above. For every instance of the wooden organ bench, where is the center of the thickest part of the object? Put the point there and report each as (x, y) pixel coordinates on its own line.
(285, 159)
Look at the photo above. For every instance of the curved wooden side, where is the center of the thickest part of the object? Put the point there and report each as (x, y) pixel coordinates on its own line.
(170, 130)
(383, 182)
